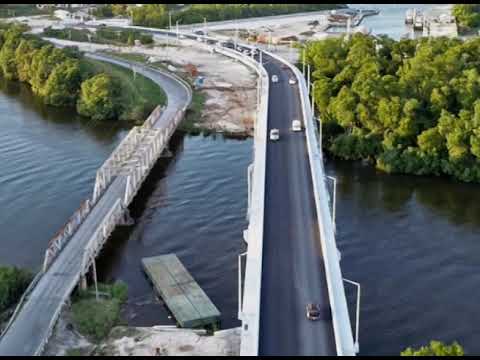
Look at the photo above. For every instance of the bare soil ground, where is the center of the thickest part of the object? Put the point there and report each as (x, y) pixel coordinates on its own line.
(229, 86)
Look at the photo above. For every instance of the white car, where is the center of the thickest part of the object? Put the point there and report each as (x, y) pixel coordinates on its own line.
(292, 81)
(296, 125)
(274, 134)
(274, 78)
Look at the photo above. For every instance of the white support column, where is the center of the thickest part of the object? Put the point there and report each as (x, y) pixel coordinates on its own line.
(357, 320)
(303, 62)
(240, 297)
(94, 267)
(127, 191)
(308, 78)
(334, 202)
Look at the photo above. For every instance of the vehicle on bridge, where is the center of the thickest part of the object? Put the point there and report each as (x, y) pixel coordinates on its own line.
(296, 125)
(292, 81)
(313, 312)
(274, 134)
(274, 78)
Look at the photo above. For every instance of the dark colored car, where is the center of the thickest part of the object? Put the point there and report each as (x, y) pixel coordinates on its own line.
(316, 312)
(313, 312)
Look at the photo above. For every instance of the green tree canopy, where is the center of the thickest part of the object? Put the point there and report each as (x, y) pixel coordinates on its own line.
(435, 348)
(99, 98)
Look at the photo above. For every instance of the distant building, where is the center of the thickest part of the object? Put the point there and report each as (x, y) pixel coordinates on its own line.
(76, 16)
(63, 6)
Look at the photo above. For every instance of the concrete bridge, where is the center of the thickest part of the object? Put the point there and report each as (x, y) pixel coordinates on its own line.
(292, 258)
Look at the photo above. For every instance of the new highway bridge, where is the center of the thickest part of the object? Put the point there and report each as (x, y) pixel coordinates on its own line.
(292, 259)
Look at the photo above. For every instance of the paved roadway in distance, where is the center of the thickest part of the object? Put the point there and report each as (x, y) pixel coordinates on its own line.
(293, 270)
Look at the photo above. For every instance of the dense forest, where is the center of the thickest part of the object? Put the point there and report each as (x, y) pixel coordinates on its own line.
(63, 77)
(412, 106)
(157, 15)
(467, 15)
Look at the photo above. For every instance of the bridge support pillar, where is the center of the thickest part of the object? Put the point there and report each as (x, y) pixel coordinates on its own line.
(166, 152)
(83, 282)
(126, 219)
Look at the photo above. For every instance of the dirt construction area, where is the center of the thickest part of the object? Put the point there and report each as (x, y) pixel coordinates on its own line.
(229, 87)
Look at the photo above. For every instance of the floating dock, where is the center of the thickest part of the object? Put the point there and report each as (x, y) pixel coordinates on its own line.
(188, 303)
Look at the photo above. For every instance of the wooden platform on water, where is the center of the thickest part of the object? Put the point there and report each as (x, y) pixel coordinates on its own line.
(188, 303)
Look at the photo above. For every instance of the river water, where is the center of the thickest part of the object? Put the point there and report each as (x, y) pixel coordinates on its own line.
(412, 242)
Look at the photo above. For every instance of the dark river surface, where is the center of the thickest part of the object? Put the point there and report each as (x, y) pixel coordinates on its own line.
(412, 242)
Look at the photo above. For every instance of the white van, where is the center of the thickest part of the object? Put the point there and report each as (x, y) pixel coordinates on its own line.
(274, 78)
(274, 134)
(296, 125)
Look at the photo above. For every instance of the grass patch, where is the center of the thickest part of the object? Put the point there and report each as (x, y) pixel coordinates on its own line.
(13, 283)
(140, 95)
(194, 113)
(13, 10)
(95, 318)
(76, 352)
(141, 58)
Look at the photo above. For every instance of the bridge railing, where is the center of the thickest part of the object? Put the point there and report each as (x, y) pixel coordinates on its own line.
(341, 320)
(57, 243)
(96, 242)
(112, 165)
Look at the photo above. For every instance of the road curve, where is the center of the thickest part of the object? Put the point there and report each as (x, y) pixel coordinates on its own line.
(293, 270)
(27, 333)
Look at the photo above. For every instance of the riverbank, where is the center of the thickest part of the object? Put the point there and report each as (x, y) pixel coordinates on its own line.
(64, 78)
(141, 341)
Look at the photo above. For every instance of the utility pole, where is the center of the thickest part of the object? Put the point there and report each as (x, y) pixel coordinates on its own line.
(205, 26)
(177, 30)
(236, 35)
(349, 22)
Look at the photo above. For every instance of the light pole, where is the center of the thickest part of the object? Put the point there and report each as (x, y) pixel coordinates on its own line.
(308, 78)
(303, 61)
(334, 202)
(205, 26)
(177, 28)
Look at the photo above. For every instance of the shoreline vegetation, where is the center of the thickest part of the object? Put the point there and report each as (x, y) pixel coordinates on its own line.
(409, 106)
(13, 283)
(95, 318)
(467, 17)
(65, 78)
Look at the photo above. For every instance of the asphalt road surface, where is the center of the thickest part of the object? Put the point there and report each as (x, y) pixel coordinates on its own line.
(293, 270)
